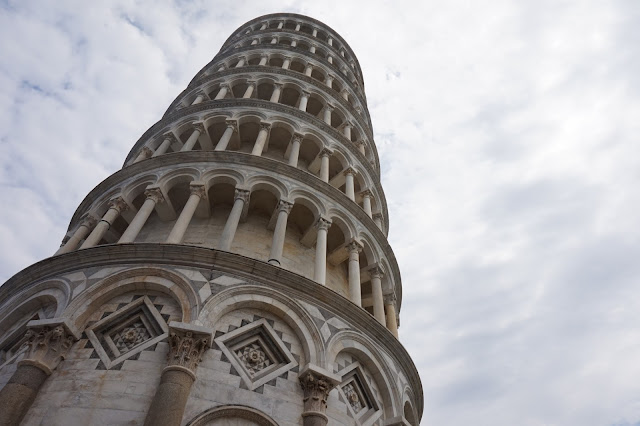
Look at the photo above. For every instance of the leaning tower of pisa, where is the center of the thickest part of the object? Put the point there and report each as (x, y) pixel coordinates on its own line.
(235, 271)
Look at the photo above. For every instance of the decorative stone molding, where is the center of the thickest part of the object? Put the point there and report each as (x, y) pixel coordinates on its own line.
(316, 384)
(284, 206)
(323, 224)
(187, 344)
(199, 189)
(265, 126)
(326, 152)
(390, 299)
(199, 126)
(155, 194)
(349, 171)
(118, 204)
(48, 342)
(233, 124)
(147, 151)
(297, 137)
(242, 194)
(89, 222)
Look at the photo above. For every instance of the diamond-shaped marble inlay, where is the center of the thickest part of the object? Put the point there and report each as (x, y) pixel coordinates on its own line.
(358, 392)
(127, 331)
(256, 352)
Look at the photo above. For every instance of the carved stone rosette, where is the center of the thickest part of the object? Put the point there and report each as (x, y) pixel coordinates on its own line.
(46, 346)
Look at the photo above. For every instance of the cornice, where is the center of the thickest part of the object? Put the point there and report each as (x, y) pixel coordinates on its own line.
(258, 103)
(295, 285)
(333, 32)
(365, 123)
(357, 90)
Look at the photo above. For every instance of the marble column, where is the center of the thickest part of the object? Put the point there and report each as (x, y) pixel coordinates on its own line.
(320, 270)
(286, 63)
(295, 149)
(153, 197)
(280, 25)
(308, 70)
(297, 27)
(274, 40)
(80, 233)
(330, 59)
(169, 139)
(355, 293)
(377, 218)
(312, 49)
(275, 95)
(241, 62)
(361, 147)
(330, 41)
(327, 114)
(315, 32)
(229, 231)
(366, 202)
(324, 164)
(232, 126)
(263, 27)
(251, 85)
(116, 206)
(349, 184)
(345, 94)
(279, 233)
(346, 130)
(303, 101)
(329, 81)
(316, 388)
(376, 291)
(258, 146)
(198, 192)
(222, 93)
(294, 43)
(254, 41)
(145, 153)
(47, 343)
(187, 345)
(201, 97)
(221, 67)
(198, 129)
(263, 60)
(390, 307)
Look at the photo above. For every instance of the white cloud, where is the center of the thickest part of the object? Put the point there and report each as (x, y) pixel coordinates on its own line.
(507, 134)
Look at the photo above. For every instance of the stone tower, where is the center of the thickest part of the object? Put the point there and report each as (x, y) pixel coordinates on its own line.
(236, 270)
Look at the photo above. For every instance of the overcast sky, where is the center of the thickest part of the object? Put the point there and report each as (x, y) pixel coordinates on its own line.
(508, 137)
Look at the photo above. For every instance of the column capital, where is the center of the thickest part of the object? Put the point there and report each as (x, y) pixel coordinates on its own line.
(297, 137)
(287, 58)
(326, 152)
(203, 94)
(331, 76)
(265, 126)
(187, 344)
(367, 193)
(316, 385)
(349, 171)
(329, 107)
(198, 188)
(242, 194)
(390, 299)
(89, 222)
(198, 125)
(223, 66)
(251, 83)
(284, 206)
(170, 136)
(323, 224)
(233, 124)
(377, 216)
(354, 246)
(47, 343)
(265, 56)
(343, 125)
(225, 85)
(119, 204)
(376, 271)
(278, 85)
(147, 151)
(155, 194)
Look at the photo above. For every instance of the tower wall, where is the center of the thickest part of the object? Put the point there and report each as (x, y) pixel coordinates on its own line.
(235, 269)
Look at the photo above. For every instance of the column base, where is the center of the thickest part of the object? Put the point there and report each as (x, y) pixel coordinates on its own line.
(314, 418)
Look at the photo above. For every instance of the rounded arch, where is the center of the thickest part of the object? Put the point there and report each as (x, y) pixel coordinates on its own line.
(408, 411)
(137, 187)
(145, 278)
(268, 299)
(309, 200)
(238, 412)
(367, 353)
(269, 184)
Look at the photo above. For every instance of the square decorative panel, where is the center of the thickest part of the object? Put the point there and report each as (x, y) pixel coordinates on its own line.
(127, 331)
(256, 352)
(357, 392)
